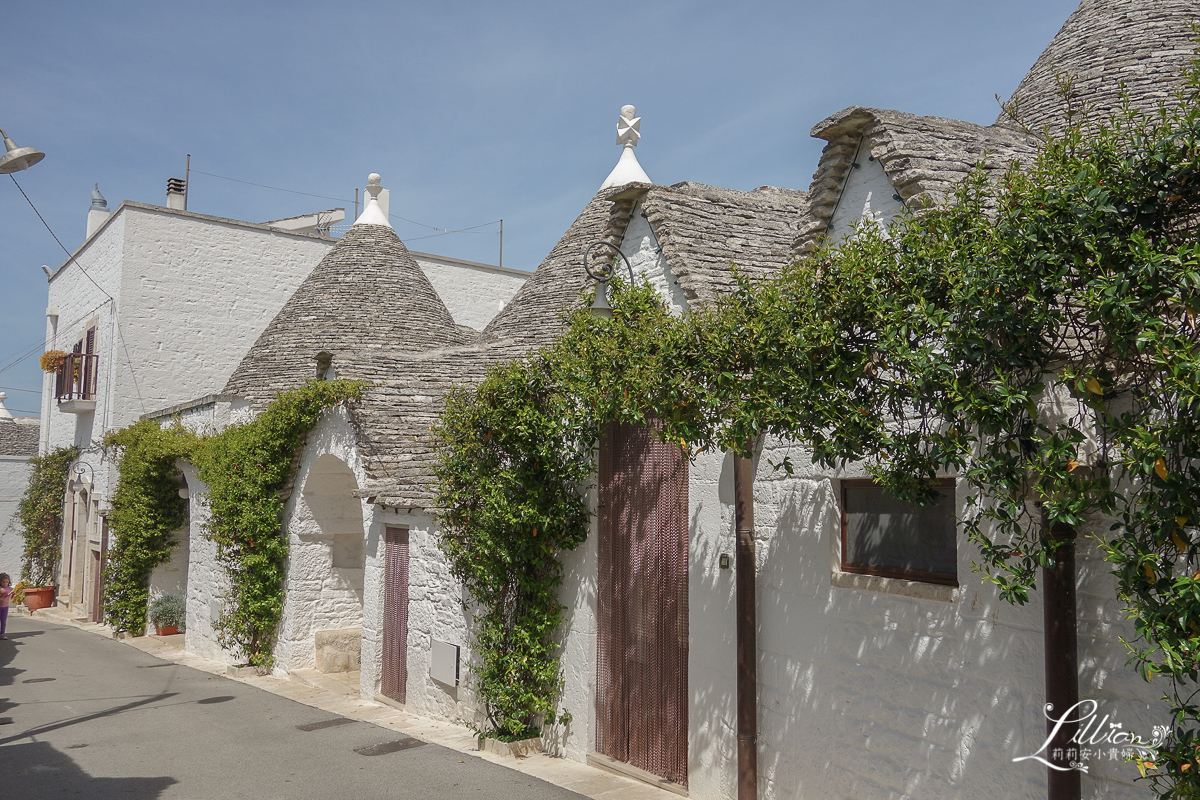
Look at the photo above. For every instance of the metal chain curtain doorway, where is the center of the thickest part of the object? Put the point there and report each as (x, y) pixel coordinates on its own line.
(395, 614)
(642, 680)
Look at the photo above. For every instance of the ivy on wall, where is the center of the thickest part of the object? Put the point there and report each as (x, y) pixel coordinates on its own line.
(246, 467)
(147, 513)
(40, 516)
(1038, 335)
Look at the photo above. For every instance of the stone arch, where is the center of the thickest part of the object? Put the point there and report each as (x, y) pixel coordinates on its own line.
(326, 570)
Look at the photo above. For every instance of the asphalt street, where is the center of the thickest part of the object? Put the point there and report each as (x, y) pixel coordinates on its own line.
(87, 717)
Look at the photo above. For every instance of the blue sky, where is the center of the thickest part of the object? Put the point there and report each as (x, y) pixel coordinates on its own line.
(471, 111)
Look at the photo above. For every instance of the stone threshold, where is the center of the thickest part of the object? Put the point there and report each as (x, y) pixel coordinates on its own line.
(629, 770)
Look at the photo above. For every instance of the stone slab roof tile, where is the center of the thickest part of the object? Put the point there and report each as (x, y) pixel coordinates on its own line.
(18, 438)
(534, 315)
(704, 230)
(1143, 44)
(925, 158)
(366, 294)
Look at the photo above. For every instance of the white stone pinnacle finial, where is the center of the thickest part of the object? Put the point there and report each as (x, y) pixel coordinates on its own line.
(4, 412)
(372, 213)
(629, 127)
(628, 170)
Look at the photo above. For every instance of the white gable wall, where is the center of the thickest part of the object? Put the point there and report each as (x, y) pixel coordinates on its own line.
(197, 292)
(14, 477)
(867, 195)
(641, 247)
(473, 293)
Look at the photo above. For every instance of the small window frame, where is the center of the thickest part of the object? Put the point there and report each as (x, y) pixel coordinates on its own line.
(946, 486)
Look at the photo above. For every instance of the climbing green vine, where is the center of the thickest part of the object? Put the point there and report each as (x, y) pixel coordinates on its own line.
(246, 468)
(1037, 335)
(147, 514)
(39, 515)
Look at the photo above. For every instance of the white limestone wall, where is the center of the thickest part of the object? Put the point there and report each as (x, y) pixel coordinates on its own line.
(196, 294)
(435, 611)
(866, 694)
(171, 578)
(577, 738)
(640, 246)
(867, 196)
(320, 512)
(85, 292)
(473, 293)
(14, 477)
(207, 583)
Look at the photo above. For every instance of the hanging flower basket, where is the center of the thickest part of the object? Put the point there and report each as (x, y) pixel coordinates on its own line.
(52, 360)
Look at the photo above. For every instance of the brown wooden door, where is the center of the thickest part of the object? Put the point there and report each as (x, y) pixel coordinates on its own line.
(642, 681)
(395, 614)
(97, 585)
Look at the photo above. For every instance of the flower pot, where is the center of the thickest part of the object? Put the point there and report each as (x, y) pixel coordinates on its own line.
(41, 597)
(166, 630)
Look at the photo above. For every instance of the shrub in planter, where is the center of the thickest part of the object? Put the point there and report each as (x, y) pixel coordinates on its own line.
(168, 614)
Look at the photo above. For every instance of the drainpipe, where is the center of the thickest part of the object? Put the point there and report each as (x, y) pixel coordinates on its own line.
(1062, 654)
(747, 627)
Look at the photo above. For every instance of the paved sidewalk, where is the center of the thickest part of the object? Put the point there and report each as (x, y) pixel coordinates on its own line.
(332, 696)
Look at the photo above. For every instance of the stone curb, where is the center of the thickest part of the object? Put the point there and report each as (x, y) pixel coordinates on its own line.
(568, 774)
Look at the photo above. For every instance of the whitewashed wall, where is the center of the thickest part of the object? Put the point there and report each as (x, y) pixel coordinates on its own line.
(207, 583)
(640, 245)
(866, 196)
(866, 694)
(318, 595)
(14, 477)
(473, 293)
(196, 292)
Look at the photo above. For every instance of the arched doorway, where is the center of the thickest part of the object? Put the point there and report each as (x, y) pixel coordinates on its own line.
(325, 571)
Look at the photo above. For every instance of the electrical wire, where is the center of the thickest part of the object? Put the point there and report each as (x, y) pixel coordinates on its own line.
(32, 350)
(70, 257)
(343, 200)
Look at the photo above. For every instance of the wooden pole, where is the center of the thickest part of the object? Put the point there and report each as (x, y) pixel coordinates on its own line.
(747, 630)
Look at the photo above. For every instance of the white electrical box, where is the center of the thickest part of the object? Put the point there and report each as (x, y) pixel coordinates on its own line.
(443, 662)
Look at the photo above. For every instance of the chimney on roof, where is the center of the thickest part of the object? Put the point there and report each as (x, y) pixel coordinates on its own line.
(176, 193)
(98, 213)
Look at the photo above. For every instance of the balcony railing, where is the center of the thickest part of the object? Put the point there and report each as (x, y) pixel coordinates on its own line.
(76, 379)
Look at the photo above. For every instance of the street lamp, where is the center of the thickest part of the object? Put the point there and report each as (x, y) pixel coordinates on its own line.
(603, 273)
(78, 485)
(17, 158)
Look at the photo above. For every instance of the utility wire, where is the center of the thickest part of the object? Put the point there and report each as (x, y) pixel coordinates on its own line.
(343, 200)
(15, 389)
(60, 244)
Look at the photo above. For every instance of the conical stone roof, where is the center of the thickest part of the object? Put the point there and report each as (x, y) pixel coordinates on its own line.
(534, 316)
(1143, 44)
(367, 294)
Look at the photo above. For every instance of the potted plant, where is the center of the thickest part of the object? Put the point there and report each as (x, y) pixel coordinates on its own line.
(39, 515)
(168, 614)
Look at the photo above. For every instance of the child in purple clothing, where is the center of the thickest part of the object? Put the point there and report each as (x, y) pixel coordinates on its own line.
(6, 593)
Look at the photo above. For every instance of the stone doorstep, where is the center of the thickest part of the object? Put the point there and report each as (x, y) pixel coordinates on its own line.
(521, 748)
(243, 671)
(587, 779)
(344, 683)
